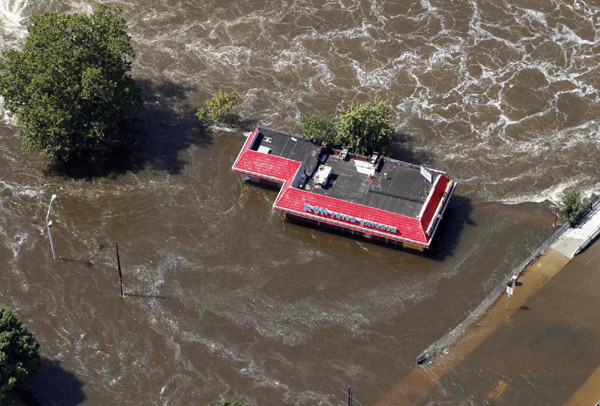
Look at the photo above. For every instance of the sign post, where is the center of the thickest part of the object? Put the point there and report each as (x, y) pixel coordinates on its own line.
(426, 174)
(509, 292)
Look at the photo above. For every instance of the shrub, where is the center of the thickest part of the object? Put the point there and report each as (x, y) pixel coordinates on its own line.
(366, 127)
(317, 126)
(218, 108)
(19, 357)
(571, 206)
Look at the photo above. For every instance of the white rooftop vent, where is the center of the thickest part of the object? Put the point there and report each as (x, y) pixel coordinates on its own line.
(322, 175)
(344, 153)
(374, 158)
(264, 150)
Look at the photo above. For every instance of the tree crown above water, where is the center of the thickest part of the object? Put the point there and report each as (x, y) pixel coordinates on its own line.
(19, 357)
(70, 85)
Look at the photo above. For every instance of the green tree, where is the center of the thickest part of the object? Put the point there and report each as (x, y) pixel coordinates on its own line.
(19, 357)
(70, 85)
(317, 126)
(366, 127)
(571, 206)
(218, 108)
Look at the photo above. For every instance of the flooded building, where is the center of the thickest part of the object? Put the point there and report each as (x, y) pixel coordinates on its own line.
(376, 197)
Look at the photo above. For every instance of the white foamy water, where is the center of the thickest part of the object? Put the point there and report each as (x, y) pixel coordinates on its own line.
(12, 35)
(12, 22)
(232, 300)
(482, 95)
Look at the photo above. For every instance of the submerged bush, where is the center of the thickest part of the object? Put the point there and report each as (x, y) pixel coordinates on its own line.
(366, 127)
(317, 126)
(571, 206)
(218, 108)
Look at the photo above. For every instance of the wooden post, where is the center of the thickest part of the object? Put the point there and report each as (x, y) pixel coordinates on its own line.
(119, 268)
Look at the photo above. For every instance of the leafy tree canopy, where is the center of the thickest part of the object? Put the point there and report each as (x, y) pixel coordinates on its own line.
(317, 126)
(19, 357)
(218, 108)
(571, 206)
(70, 85)
(366, 127)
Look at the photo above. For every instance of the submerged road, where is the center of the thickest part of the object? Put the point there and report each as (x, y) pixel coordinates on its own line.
(541, 350)
(548, 340)
(552, 339)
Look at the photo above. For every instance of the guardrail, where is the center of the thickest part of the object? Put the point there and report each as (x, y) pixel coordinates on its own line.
(593, 205)
(448, 339)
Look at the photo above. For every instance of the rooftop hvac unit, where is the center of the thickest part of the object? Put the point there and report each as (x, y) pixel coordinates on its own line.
(322, 175)
(264, 150)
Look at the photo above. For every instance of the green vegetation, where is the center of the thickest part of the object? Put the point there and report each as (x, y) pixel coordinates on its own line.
(317, 126)
(571, 206)
(19, 357)
(363, 127)
(218, 108)
(366, 127)
(70, 85)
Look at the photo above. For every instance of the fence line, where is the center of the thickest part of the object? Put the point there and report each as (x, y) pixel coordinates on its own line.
(448, 339)
(594, 205)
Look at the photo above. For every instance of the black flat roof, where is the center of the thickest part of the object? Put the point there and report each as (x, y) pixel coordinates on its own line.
(288, 146)
(395, 186)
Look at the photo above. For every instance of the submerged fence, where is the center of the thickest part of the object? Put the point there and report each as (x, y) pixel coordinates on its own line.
(448, 339)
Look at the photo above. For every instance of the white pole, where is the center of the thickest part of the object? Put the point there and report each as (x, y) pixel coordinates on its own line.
(50, 207)
(49, 225)
(51, 242)
(509, 292)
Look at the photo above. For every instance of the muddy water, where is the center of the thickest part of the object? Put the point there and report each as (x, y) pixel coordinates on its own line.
(225, 298)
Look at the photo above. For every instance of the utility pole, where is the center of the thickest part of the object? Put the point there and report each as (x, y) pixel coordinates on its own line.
(119, 269)
(351, 399)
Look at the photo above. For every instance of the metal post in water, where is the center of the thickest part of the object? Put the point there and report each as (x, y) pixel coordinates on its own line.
(51, 242)
(349, 396)
(119, 268)
(50, 206)
(49, 225)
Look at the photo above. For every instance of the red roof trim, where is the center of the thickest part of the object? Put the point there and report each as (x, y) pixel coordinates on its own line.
(434, 201)
(245, 147)
(443, 210)
(409, 226)
(292, 200)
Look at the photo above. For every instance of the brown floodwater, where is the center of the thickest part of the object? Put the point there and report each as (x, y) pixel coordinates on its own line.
(225, 298)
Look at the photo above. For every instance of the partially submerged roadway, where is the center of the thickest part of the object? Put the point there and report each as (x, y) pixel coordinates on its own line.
(542, 350)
